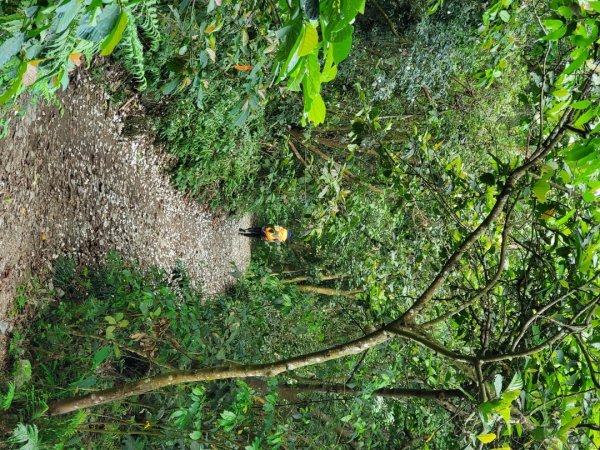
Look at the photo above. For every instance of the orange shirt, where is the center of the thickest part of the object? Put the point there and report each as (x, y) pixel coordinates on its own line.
(275, 234)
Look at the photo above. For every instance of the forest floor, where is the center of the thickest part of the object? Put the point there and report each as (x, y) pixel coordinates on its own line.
(72, 185)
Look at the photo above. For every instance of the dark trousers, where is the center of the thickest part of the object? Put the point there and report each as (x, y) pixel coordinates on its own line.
(255, 232)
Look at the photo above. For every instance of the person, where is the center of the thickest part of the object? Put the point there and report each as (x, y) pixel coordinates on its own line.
(267, 233)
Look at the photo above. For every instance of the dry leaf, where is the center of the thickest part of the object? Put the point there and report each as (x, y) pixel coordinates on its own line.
(212, 55)
(548, 214)
(242, 67)
(137, 336)
(30, 75)
(76, 59)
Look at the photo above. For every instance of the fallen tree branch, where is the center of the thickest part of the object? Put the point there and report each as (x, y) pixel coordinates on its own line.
(147, 384)
(327, 291)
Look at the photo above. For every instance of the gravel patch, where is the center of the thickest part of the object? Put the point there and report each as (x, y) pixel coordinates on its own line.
(72, 185)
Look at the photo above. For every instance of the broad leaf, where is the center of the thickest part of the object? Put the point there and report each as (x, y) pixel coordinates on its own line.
(317, 111)
(540, 189)
(487, 438)
(310, 40)
(65, 14)
(115, 36)
(11, 47)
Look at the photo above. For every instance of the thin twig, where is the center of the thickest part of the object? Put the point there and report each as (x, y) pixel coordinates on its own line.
(295, 150)
(586, 355)
(546, 308)
(490, 284)
(387, 18)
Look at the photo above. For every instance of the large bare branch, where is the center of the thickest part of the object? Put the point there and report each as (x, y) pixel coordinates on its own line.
(218, 373)
(249, 370)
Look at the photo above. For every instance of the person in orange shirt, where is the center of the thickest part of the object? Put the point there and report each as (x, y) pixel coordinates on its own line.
(267, 233)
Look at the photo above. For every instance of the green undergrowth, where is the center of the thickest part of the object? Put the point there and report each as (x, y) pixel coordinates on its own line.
(104, 325)
(218, 163)
(108, 324)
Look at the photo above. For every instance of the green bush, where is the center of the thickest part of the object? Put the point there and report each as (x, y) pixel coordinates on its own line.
(217, 162)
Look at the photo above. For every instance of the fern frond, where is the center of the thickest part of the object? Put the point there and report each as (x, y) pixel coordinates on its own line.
(149, 24)
(132, 52)
(6, 400)
(36, 403)
(58, 47)
(27, 435)
(73, 425)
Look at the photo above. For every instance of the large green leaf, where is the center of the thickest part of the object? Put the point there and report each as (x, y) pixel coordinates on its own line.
(341, 49)
(11, 47)
(317, 111)
(113, 39)
(556, 34)
(309, 41)
(14, 88)
(312, 82)
(105, 22)
(65, 14)
(580, 58)
(579, 151)
(540, 189)
(342, 34)
(292, 57)
(350, 8)
(516, 384)
(586, 117)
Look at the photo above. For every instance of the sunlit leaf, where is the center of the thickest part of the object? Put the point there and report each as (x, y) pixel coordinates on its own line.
(310, 40)
(316, 114)
(486, 438)
(11, 47)
(516, 383)
(113, 39)
(540, 189)
(586, 117)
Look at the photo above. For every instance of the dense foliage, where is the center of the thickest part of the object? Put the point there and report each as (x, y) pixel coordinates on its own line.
(444, 291)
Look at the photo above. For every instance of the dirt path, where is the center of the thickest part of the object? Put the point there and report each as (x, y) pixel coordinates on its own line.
(71, 185)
